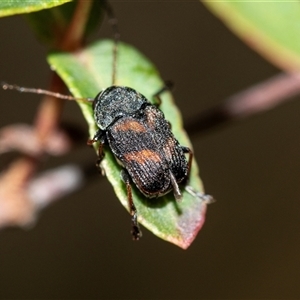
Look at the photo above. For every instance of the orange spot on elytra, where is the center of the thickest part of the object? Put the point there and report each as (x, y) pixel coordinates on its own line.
(130, 125)
(142, 156)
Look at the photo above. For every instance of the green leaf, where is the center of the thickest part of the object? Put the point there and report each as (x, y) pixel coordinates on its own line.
(270, 27)
(13, 7)
(89, 71)
(50, 25)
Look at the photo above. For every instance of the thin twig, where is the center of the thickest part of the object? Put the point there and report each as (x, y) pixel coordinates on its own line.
(16, 207)
(256, 99)
(21, 198)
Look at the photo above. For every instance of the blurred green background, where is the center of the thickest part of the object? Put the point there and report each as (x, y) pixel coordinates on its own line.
(249, 246)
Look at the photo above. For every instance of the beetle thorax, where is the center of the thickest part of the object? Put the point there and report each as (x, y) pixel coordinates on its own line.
(116, 102)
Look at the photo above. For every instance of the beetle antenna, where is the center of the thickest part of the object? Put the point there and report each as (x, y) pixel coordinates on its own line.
(113, 21)
(21, 89)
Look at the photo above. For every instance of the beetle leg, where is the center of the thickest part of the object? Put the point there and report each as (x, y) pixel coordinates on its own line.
(156, 97)
(100, 137)
(169, 124)
(191, 155)
(176, 190)
(136, 232)
(207, 199)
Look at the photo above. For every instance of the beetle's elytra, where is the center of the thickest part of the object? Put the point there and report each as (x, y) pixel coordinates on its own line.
(142, 141)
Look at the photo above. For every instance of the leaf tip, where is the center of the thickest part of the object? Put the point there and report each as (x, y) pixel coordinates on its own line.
(189, 224)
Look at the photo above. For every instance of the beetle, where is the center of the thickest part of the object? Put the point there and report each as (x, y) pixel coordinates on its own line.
(141, 140)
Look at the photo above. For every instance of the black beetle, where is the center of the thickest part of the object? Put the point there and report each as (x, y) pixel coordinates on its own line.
(142, 141)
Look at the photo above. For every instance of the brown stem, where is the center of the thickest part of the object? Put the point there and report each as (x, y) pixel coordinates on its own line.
(251, 101)
(75, 31)
(49, 112)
